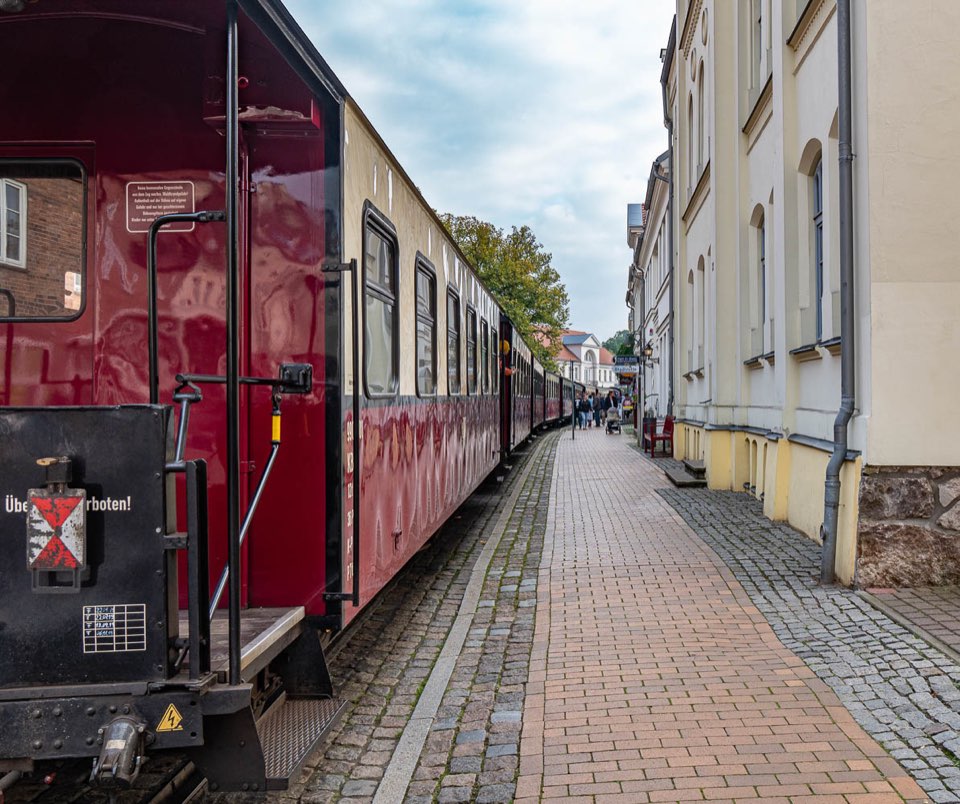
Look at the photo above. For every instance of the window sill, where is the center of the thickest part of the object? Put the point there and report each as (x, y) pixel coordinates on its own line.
(805, 353)
(697, 372)
(816, 351)
(769, 358)
(753, 363)
(833, 346)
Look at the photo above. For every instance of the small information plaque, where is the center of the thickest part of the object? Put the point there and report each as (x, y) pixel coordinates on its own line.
(119, 628)
(148, 200)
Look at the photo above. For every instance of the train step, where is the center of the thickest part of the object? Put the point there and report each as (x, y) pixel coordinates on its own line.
(290, 731)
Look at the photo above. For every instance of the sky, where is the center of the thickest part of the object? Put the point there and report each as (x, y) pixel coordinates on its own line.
(545, 113)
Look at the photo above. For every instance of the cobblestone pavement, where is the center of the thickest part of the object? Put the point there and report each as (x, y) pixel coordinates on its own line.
(471, 753)
(654, 678)
(932, 610)
(901, 690)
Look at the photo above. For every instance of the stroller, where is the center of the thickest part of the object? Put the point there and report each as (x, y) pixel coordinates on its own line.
(613, 420)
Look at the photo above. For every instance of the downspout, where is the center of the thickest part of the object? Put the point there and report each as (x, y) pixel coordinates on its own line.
(831, 497)
(668, 121)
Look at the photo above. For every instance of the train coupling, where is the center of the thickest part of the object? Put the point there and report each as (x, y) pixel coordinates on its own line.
(121, 755)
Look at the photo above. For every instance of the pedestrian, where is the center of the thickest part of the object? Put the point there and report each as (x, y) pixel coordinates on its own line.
(583, 410)
(597, 409)
(591, 403)
(609, 401)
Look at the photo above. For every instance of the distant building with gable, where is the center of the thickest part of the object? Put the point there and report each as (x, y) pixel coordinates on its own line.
(582, 358)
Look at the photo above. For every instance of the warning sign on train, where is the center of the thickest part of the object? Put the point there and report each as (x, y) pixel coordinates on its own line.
(172, 720)
(56, 530)
(148, 200)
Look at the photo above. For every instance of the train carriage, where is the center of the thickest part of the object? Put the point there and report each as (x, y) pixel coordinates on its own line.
(204, 237)
(552, 399)
(429, 377)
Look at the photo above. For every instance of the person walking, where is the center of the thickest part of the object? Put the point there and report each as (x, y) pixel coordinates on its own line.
(609, 401)
(583, 410)
(597, 409)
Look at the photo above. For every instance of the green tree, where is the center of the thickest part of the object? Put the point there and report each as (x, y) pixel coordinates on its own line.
(516, 269)
(620, 343)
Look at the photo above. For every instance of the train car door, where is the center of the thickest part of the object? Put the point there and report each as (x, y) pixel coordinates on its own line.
(290, 313)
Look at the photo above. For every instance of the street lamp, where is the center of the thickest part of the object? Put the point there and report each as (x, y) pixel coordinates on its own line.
(647, 362)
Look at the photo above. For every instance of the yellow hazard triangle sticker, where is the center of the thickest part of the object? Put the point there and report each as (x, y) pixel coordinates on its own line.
(172, 720)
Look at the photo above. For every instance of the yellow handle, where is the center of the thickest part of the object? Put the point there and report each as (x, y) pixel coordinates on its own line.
(276, 428)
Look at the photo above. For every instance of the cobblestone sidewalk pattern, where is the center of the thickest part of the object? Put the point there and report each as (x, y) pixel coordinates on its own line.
(654, 677)
(472, 753)
(904, 692)
(381, 671)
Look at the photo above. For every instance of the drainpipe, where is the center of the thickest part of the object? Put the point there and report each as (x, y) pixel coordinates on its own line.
(831, 497)
(668, 121)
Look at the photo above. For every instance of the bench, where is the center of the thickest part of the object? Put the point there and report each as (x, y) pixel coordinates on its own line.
(651, 437)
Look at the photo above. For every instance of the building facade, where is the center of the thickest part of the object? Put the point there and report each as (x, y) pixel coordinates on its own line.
(648, 291)
(582, 358)
(752, 97)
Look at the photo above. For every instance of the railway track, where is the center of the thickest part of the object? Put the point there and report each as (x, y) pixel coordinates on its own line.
(164, 779)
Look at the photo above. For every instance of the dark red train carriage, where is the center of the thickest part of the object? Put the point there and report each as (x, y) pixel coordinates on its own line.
(185, 264)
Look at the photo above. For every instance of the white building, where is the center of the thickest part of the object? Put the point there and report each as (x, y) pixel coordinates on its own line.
(582, 358)
(752, 94)
(648, 290)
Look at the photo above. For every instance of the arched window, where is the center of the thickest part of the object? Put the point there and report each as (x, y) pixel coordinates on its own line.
(816, 193)
(701, 284)
(692, 167)
(762, 269)
(756, 23)
(701, 123)
(690, 306)
(755, 276)
(812, 211)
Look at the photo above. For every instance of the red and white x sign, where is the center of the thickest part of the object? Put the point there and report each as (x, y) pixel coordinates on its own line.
(56, 532)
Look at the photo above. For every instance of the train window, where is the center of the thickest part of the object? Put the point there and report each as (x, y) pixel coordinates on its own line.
(426, 329)
(380, 330)
(484, 357)
(494, 359)
(471, 351)
(453, 342)
(43, 222)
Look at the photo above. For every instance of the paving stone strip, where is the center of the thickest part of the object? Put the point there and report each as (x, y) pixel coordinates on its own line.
(400, 770)
(382, 670)
(472, 751)
(902, 691)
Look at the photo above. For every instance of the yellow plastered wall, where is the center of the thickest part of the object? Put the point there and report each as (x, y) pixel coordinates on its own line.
(805, 504)
(791, 479)
(688, 442)
(721, 460)
(847, 523)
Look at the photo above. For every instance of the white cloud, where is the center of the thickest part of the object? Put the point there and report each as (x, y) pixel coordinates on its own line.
(538, 112)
